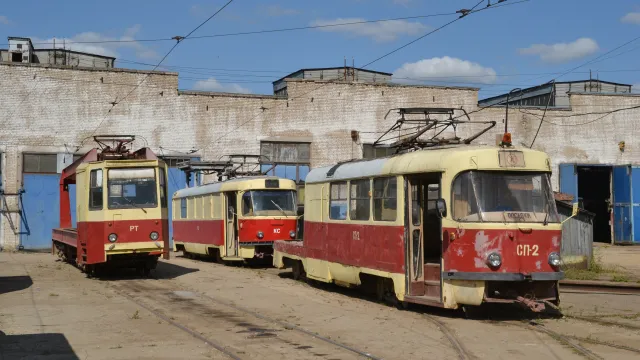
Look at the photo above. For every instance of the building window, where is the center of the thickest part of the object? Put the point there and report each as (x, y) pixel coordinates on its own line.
(384, 199)
(360, 204)
(95, 190)
(287, 160)
(40, 163)
(338, 201)
(183, 208)
(19, 46)
(371, 152)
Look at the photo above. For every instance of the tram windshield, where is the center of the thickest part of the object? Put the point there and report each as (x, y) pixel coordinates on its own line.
(132, 188)
(269, 203)
(503, 197)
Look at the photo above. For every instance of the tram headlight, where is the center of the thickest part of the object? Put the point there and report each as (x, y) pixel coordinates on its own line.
(154, 236)
(554, 259)
(260, 234)
(113, 237)
(494, 260)
(292, 234)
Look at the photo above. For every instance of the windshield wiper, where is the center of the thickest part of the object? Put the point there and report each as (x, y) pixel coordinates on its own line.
(279, 208)
(546, 215)
(134, 204)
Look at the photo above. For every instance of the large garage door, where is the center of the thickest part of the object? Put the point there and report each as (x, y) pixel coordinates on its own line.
(177, 181)
(41, 200)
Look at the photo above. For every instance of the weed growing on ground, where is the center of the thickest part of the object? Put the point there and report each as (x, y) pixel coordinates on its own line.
(53, 294)
(136, 315)
(596, 271)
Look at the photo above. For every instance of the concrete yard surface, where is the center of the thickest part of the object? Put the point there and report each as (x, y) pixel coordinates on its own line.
(195, 309)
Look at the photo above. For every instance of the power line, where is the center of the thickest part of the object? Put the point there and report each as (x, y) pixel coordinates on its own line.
(381, 57)
(264, 31)
(178, 39)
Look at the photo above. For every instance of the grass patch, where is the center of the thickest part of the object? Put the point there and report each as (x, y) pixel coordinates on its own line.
(596, 271)
(136, 315)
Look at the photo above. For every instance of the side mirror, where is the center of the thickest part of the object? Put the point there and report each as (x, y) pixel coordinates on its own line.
(441, 206)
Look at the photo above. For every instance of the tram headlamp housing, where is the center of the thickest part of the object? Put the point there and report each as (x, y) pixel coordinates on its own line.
(494, 260)
(260, 234)
(292, 234)
(154, 236)
(554, 259)
(112, 237)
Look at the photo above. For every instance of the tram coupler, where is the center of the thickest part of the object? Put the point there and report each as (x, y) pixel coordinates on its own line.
(535, 306)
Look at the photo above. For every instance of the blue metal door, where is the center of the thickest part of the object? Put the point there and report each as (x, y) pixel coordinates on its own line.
(635, 204)
(41, 203)
(569, 180)
(177, 180)
(622, 200)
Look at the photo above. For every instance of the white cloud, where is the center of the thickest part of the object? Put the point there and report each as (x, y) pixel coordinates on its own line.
(211, 84)
(4, 20)
(562, 52)
(277, 10)
(444, 69)
(631, 18)
(379, 31)
(99, 44)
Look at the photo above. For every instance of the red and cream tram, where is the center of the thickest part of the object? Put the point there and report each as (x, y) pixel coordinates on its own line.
(121, 207)
(450, 226)
(235, 220)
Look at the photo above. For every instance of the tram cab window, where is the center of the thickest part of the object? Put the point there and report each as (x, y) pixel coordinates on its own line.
(503, 197)
(269, 203)
(247, 206)
(132, 188)
(95, 190)
(338, 201)
(385, 199)
(163, 189)
(360, 204)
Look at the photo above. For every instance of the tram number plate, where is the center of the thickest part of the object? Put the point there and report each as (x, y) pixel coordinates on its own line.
(276, 231)
(356, 235)
(527, 250)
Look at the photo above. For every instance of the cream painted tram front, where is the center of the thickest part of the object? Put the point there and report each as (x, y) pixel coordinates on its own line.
(450, 226)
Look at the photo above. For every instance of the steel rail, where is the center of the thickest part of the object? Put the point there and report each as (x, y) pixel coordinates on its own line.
(290, 326)
(462, 352)
(177, 325)
(559, 337)
(585, 286)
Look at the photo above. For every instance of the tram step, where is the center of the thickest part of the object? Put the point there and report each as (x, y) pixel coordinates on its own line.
(432, 288)
(432, 272)
(424, 300)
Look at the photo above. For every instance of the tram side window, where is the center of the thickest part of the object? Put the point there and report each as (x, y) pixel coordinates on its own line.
(183, 208)
(338, 201)
(95, 190)
(360, 206)
(385, 199)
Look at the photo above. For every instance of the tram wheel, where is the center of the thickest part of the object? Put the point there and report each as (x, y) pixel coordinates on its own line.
(298, 270)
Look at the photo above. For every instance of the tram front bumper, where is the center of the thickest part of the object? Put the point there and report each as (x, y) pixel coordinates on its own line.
(146, 247)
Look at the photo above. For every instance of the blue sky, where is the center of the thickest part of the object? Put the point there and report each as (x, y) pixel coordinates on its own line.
(525, 41)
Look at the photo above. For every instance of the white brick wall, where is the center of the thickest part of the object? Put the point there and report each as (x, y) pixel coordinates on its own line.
(57, 109)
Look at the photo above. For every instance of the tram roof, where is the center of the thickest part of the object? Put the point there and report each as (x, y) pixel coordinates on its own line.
(447, 158)
(248, 183)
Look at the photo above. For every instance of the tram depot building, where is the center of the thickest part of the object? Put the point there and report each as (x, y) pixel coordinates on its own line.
(50, 111)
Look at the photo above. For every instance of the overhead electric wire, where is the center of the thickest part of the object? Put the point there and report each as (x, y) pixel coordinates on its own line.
(178, 39)
(465, 14)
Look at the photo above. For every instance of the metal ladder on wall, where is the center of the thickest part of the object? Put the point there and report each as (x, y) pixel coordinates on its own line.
(19, 209)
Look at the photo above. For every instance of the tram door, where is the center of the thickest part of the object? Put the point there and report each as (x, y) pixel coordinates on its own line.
(231, 238)
(415, 244)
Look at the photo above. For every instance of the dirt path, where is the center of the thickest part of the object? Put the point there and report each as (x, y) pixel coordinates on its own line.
(200, 310)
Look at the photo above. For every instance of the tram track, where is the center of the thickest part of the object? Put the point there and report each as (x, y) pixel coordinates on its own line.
(565, 340)
(462, 352)
(247, 334)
